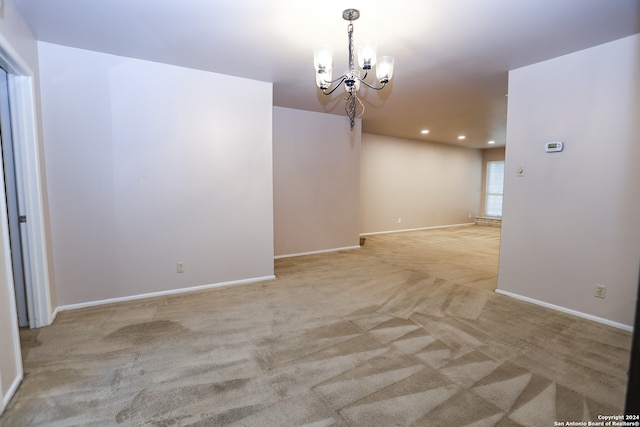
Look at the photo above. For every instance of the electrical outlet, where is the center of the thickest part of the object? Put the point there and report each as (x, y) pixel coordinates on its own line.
(601, 291)
(399, 220)
(180, 267)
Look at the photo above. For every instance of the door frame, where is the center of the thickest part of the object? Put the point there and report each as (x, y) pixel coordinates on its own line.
(30, 192)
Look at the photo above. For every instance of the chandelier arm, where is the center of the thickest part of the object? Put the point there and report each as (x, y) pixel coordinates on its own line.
(371, 86)
(342, 79)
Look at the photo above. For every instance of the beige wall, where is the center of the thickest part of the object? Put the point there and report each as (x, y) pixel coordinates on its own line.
(149, 165)
(422, 183)
(316, 162)
(573, 220)
(488, 155)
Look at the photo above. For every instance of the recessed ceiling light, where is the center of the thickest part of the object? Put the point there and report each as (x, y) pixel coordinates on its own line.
(424, 131)
(461, 137)
(491, 142)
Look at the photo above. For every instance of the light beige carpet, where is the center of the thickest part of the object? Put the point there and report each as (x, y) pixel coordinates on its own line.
(405, 331)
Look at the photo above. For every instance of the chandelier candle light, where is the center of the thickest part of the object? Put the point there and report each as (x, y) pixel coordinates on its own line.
(366, 52)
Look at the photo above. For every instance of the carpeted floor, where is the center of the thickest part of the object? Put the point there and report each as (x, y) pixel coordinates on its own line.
(405, 331)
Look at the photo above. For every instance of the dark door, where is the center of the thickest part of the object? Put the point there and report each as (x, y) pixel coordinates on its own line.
(633, 385)
(11, 191)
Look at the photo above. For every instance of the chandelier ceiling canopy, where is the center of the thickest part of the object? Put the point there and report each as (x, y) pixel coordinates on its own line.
(366, 52)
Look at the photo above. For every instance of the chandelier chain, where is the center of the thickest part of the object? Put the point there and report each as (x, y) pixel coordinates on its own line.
(350, 33)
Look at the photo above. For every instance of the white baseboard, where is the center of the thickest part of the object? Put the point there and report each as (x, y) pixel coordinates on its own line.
(323, 251)
(55, 314)
(368, 234)
(416, 229)
(10, 392)
(567, 310)
(161, 293)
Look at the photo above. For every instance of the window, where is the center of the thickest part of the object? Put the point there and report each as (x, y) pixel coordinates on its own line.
(495, 179)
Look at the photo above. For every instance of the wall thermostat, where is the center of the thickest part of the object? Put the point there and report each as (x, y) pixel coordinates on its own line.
(553, 147)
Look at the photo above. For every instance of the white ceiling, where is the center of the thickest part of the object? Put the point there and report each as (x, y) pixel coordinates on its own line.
(452, 56)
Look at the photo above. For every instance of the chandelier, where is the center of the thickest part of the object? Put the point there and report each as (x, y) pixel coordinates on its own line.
(352, 78)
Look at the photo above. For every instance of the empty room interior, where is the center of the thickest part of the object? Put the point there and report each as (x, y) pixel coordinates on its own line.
(206, 221)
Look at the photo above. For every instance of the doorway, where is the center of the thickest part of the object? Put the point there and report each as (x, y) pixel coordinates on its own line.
(18, 83)
(13, 209)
